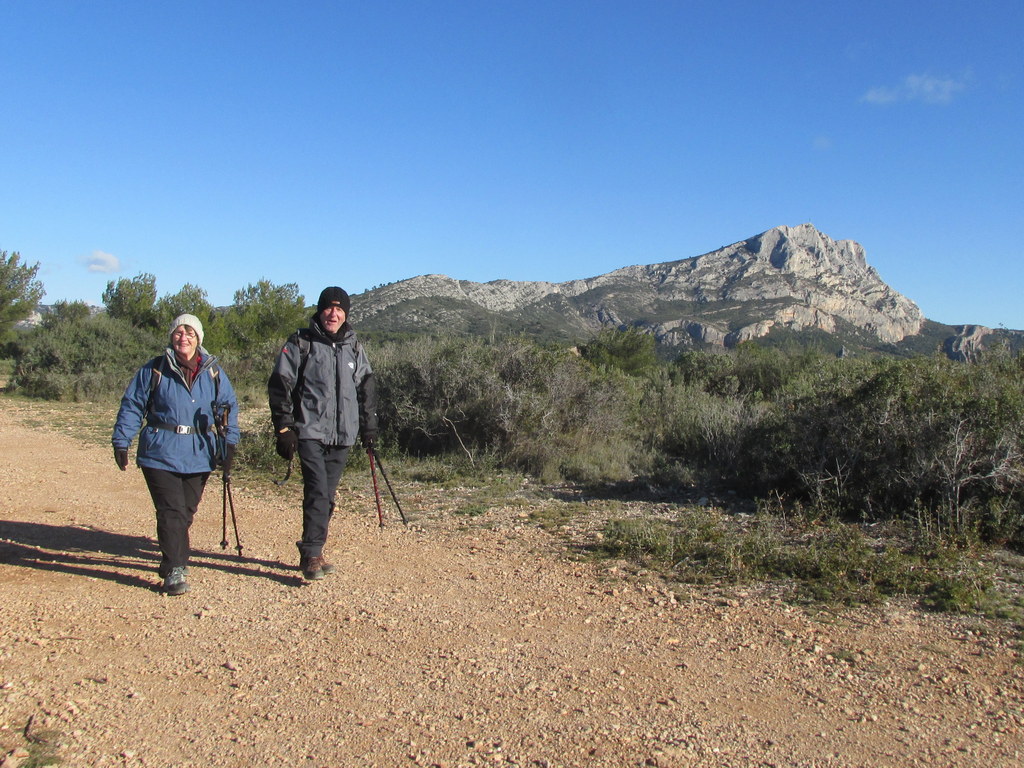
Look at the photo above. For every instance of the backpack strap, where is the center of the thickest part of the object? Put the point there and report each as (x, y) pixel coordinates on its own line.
(154, 380)
(302, 341)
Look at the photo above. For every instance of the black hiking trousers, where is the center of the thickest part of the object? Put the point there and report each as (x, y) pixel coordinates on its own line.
(322, 466)
(176, 497)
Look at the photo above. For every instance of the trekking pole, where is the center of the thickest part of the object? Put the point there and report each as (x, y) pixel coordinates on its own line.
(376, 492)
(387, 482)
(221, 422)
(229, 501)
(224, 521)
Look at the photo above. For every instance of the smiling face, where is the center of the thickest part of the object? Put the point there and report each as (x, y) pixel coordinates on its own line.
(332, 318)
(184, 342)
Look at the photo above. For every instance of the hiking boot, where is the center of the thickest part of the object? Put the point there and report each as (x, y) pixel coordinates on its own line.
(314, 568)
(175, 583)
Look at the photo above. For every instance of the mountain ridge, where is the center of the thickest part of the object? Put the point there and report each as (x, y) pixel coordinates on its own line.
(793, 280)
(784, 285)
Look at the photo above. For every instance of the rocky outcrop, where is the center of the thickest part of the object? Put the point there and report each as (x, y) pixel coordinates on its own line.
(788, 277)
(967, 342)
(816, 279)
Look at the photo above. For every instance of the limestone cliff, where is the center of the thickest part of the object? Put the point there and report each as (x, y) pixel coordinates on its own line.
(788, 277)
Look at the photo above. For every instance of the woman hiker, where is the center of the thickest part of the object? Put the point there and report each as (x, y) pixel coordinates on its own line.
(181, 395)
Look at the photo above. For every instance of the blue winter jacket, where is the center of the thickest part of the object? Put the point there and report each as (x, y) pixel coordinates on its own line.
(171, 405)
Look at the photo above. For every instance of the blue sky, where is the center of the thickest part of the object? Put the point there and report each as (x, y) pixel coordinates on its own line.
(322, 143)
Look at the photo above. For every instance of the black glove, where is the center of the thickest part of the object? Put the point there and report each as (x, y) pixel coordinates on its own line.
(121, 457)
(369, 438)
(287, 442)
(229, 459)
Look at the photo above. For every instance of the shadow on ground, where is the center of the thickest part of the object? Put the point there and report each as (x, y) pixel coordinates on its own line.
(124, 559)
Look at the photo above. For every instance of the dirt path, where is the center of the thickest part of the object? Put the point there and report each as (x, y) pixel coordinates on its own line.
(437, 646)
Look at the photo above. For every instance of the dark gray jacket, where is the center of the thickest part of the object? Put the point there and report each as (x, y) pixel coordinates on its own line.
(323, 389)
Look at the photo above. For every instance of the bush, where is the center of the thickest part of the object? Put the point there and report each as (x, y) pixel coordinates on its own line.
(630, 351)
(89, 359)
(827, 562)
(703, 430)
(539, 410)
(249, 370)
(261, 313)
(927, 438)
(132, 300)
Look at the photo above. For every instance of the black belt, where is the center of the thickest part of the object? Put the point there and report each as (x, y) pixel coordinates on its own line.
(180, 429)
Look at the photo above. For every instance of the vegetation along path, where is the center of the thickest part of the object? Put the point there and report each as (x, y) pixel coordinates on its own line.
(440, 644)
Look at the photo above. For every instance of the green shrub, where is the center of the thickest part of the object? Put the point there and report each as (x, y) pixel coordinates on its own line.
(90, 359)
(706, 430)
(514, 403)
(257, 449)
(958, 593)
(924, 438)
(262, 313)
(629, 351)
(827, 562)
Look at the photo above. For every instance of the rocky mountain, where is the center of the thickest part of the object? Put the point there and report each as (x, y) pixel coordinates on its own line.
(788, 280)
(789, 283)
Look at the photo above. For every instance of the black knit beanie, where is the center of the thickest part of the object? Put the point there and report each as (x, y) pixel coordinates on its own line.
(333, 296)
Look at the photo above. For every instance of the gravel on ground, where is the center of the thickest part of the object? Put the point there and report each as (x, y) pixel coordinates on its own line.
(440, 644)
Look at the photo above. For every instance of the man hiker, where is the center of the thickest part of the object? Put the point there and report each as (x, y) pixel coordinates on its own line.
(323, 397)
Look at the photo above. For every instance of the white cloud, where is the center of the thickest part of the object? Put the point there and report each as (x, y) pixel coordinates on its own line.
(921, 88)
(823, 143)
(98, 261)
(881, 96)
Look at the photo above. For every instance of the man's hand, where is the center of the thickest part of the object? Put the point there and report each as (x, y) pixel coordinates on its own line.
(287, 442)
(369, 438)
(121, 457)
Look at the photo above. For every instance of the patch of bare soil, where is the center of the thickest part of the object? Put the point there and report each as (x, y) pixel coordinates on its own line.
(440, 644)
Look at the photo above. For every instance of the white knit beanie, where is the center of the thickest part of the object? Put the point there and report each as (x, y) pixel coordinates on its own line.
(190, 320)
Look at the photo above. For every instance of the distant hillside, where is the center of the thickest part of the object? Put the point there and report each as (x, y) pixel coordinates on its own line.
(789, 284)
